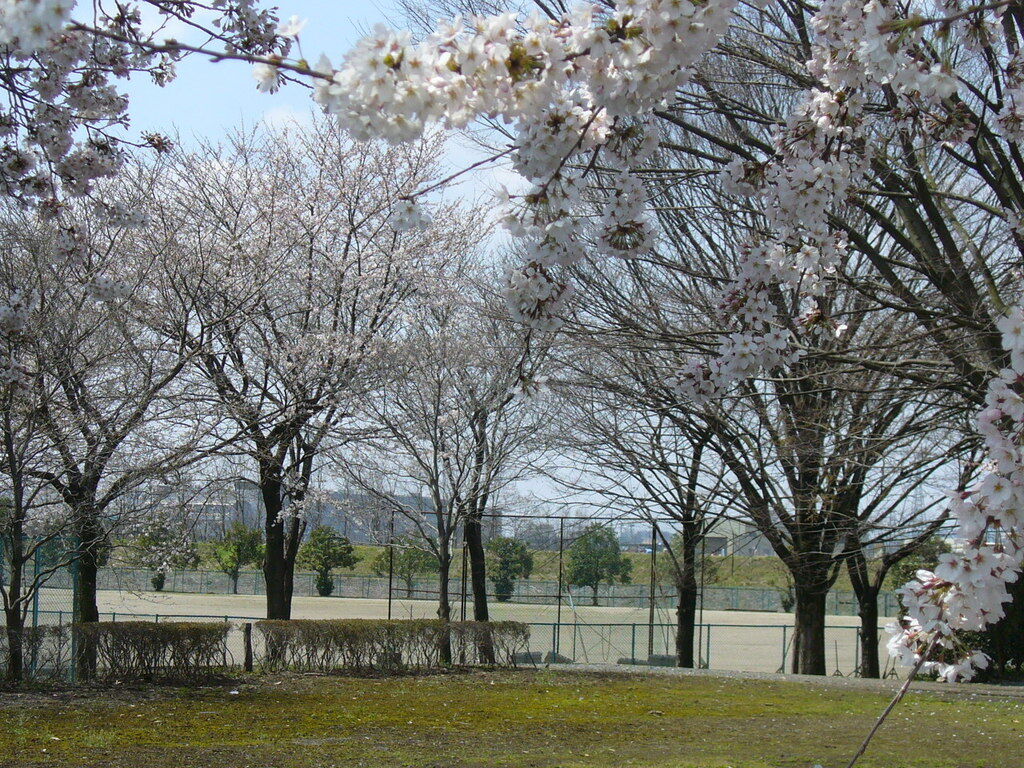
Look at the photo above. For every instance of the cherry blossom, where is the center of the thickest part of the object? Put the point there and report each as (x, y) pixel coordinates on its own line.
(577, 89)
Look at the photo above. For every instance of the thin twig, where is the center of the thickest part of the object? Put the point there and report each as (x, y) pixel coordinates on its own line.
(896, 700)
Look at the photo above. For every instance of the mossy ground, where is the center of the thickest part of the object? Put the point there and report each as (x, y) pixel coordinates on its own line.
(513, 719)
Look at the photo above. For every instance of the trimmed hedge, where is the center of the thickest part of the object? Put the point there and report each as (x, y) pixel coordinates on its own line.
(46, 652)
(136, 650)
(376, 645)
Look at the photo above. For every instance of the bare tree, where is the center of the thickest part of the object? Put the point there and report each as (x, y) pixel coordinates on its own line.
(638, 462)
(454, 422)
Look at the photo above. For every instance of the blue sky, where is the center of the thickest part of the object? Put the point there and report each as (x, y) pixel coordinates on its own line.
(206, 99)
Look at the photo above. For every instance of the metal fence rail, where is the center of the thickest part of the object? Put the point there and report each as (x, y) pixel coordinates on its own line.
(527, 592)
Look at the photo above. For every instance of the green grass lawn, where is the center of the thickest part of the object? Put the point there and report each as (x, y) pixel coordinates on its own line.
(519, 719)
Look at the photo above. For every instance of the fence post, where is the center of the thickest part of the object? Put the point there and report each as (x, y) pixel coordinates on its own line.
(558, 614)
(785, 631)
(707, 656)
(856, 654)
(247, 638)
(650, 607)
(391, 561)
(632, 644)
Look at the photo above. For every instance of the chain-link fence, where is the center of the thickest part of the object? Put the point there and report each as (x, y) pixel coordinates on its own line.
(605, 621)
(47, 598)
(526, 592)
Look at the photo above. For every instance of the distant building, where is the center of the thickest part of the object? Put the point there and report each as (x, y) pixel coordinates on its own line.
(362, 518)
(733, 537)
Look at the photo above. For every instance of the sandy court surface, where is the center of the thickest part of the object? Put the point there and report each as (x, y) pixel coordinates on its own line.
(737, 640)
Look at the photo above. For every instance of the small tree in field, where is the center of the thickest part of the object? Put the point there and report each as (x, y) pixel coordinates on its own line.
(410, 561)
(510, 560)
(241, 545)
(595, 558)
(162, 546)
(325, 550)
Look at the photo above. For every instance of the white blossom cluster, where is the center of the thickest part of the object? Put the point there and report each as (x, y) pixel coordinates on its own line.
(968, 588)
(59, 74)
(27, 25)
(407, 215)
(14, 313)
(576, 88)
(536, 298)
(104, 288)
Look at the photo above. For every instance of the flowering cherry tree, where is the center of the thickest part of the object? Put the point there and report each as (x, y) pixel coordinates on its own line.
(583, 91)
(286, 269)
(873, 98)
(453, 419)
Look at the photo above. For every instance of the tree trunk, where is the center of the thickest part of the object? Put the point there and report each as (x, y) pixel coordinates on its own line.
(15, 646)
(15, 555)
(275, 566)
(234, 583)
(809, 632)
(868, 610)
(686, 609)
(473, 533)
(594, 597)
(444, 609)
(86, 575)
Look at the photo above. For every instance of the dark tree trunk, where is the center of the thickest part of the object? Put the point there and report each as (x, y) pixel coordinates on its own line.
(15, 556)
(87, 574)
(477, 567)
(473, 533)
(809, 633)
(867, 609)
(686, 609)
(87, 566)
(444, 608)
(15, 645)
(594, 597)
(234, 583)
(275, 566)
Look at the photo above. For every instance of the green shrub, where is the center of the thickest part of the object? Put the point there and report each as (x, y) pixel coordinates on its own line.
(510, 560)
(375, 645)
(137, 650)
(324, 584)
